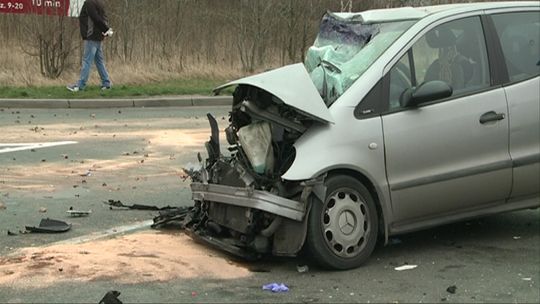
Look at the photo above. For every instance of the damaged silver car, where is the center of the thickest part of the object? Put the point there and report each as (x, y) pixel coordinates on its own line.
(400, 119)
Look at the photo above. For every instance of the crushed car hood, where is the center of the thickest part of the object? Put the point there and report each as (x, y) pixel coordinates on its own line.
(292, 85)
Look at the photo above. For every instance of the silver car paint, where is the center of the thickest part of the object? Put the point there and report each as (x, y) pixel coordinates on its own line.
(349, 144)
(249, 198)
(440, 159)
(524, 112)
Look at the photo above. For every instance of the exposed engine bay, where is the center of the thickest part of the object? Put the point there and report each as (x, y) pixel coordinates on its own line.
(242, 205)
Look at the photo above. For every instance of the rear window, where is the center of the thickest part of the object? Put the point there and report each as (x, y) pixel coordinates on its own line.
(519, 34)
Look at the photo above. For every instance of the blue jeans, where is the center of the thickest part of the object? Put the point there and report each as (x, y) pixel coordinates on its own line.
(93, 52)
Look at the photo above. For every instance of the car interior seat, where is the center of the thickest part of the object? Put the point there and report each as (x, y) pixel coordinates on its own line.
(450, 66)
(467, 47)
(520, 60)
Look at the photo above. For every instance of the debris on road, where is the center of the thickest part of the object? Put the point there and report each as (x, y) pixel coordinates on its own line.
(78, 213)
(145, 257)
(11, 233)
(302, 268)
(2, 206)
(394, 241)
(526, 279)
(111, 297)
(451, 289)
(118, 204)
(176, 215)
(50, 226)
(516, 237)
(88, 173)
(405, 267)
(276, 287)
(42, 210)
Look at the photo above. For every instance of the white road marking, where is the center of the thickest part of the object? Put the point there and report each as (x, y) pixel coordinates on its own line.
(105, 233)
(14, 147)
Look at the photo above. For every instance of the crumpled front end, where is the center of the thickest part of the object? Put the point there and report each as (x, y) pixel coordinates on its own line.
(242, 204)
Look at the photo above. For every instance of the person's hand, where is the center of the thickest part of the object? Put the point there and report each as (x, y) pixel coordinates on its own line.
(108, 33)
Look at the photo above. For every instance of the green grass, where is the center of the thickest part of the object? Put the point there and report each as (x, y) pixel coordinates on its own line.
(194, 86)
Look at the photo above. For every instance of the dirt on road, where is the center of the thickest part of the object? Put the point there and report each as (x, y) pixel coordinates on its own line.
(134, 258)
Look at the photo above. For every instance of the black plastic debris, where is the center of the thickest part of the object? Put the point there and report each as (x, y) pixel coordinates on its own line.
(179, 216)
(452, 289)
(78, 213)
(302, 268)
(119, 205)
(193, 220)
(50, 226)
(111, 297)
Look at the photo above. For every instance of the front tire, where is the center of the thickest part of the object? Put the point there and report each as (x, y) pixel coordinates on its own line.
(342, 230)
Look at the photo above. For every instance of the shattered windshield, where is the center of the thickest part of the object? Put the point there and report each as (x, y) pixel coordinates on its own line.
(344, 50)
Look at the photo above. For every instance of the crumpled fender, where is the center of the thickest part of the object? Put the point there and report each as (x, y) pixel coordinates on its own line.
(343, 145)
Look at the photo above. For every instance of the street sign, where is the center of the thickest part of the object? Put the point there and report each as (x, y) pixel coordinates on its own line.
(70, 8)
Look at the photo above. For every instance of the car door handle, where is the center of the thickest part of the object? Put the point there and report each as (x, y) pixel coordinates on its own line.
(491, 116)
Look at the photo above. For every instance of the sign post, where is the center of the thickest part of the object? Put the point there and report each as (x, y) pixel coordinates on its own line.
(70, 8)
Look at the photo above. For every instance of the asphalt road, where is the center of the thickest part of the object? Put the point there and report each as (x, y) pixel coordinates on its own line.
(136, 154)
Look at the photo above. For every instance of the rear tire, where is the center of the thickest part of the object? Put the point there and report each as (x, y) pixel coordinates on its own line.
(342, 230)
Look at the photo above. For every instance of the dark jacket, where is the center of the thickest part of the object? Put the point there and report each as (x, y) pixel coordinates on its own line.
(93, 20)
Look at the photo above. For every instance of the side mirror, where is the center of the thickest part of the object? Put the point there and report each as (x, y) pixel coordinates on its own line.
(427, 91)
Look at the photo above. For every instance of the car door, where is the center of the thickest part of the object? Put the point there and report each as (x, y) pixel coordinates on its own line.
(452, 154)
(519, 36)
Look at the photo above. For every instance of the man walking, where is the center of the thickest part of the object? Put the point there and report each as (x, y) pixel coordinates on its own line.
(94, 28)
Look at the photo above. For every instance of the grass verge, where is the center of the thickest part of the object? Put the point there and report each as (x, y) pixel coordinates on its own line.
(194, 86)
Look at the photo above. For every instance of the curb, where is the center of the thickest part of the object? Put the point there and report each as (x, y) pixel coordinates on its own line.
(173, 101)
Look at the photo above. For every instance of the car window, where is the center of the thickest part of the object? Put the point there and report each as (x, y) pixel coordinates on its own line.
(400, 80)
(453, 52)
(519, 34)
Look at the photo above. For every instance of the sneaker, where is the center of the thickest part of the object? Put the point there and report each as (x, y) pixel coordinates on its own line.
(105, 88)
(73, 88)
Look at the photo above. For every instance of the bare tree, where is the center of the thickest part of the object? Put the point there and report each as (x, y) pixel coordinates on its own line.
(346, 5)
(50, 39)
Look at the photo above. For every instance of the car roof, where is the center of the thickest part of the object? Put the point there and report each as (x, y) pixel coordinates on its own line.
(412, 13)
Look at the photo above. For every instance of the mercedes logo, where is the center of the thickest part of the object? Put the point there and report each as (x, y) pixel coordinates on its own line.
(347, 222)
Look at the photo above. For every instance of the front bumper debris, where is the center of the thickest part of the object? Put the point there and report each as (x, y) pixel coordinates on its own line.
(192, 221)
(249, 198)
